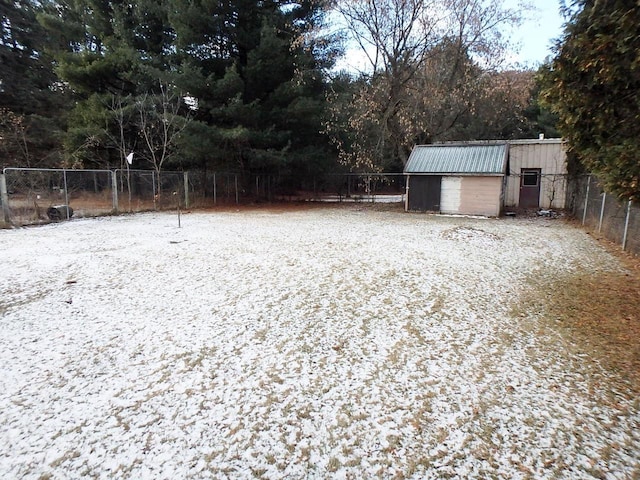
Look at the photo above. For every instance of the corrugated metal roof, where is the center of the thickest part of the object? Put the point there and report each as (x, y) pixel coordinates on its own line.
(461, 159)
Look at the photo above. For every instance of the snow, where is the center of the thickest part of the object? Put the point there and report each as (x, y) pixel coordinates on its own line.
(323, 343)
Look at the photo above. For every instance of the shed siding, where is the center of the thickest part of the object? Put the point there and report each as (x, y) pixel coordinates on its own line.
(550, 157)
(480, 196)
(451, 192)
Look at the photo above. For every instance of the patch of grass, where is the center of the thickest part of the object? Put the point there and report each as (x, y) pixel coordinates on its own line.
(597, 312)
(333, 465)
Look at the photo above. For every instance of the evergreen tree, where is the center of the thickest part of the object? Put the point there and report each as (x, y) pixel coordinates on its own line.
(251, 74)
(32, 102)
(255, 70)
(593, 85)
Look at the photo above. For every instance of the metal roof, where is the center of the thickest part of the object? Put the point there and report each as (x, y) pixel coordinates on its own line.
(465, 159)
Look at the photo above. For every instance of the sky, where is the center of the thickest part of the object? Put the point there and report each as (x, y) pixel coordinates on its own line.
(533, 39)
(538, 32)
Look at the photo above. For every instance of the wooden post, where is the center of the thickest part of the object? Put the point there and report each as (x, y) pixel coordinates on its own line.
(4, 198)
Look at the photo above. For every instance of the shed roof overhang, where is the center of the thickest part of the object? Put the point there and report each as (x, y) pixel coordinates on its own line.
(458, 159)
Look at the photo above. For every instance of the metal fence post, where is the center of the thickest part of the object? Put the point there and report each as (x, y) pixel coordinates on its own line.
(406, 192)
(604, 200)
(4, 198)
(626, 226)
(114, 190)
(66, 192)
(153, 183)
(586, 201)
(186, 189)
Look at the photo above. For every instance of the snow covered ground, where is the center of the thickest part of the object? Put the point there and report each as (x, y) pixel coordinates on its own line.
(324, 343)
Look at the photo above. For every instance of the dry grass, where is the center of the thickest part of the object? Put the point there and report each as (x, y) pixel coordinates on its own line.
(599, 313)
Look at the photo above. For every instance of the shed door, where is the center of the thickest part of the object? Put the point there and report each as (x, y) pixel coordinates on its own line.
(530, 188)
(424, 193)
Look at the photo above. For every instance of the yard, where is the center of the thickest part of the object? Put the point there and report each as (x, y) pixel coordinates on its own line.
(321, 343)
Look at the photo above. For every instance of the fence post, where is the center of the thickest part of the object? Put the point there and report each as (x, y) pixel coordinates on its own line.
(586, 201)
(604, 200)
(114, 190)
(66, 192)
(236, 183)
(626, 226)
(186, 189)
(406, 191)
(4, 198)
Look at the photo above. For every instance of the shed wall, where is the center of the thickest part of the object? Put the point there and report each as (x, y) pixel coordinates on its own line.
(548, 156)
(480, 196)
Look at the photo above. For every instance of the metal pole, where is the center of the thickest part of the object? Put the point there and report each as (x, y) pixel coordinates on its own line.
(179, 225)
(186, 189)
(114, 190)
(153, 183)
(586, 200)
(604, 200)
(406, 193)
(66, 192)
(4, 198)
(626, 226)
(236, 183)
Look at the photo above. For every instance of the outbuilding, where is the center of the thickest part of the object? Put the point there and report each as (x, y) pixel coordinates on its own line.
(463, 178)
(537, 174)
(485, 177)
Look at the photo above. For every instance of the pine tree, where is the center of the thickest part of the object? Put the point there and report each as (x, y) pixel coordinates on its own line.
(32, 102)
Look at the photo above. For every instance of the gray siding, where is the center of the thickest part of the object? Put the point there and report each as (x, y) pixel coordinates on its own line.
(547, 155)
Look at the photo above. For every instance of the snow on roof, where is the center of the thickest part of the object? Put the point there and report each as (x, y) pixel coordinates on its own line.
(466, 159)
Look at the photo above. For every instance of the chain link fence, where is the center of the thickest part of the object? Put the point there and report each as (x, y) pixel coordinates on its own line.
(617, 221)
(31, 196)
(347, 187)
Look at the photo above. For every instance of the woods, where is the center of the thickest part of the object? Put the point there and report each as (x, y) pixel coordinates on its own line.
(252, 87)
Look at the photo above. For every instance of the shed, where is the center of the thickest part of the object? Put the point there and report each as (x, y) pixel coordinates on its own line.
(537, 174)
(461, 178)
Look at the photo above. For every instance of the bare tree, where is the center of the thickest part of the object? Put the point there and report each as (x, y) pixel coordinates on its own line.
(123, 113)
(160, 126)
(13, 137)
(408, 44)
